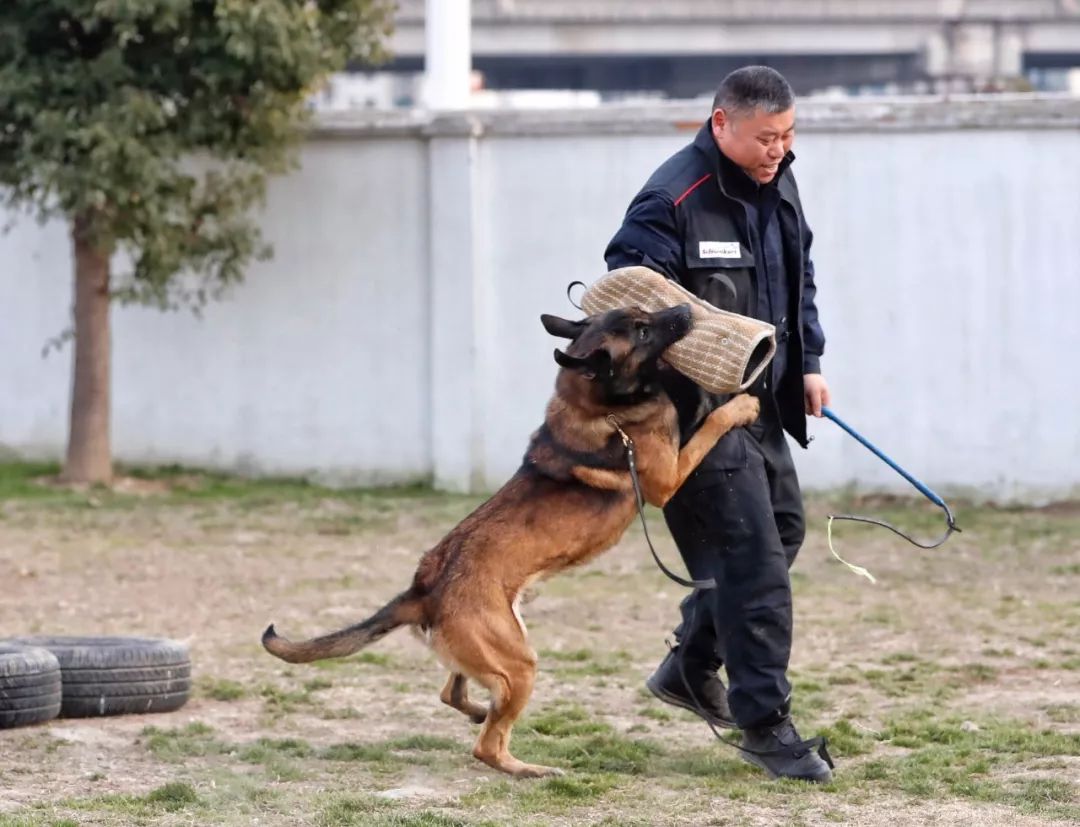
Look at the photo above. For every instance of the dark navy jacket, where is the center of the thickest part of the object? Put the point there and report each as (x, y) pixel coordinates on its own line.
(698, 221)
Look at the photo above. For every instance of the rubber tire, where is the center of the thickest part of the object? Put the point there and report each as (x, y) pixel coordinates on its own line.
(30, 685)
(30, 681)
(124, 674)
(125, 688)
(22, 660)
(25, 717)
(119, 675)
(12, 693)
(121, 705)
(32, 701)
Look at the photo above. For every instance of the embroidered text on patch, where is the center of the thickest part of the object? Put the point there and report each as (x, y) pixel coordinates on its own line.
(718, 249)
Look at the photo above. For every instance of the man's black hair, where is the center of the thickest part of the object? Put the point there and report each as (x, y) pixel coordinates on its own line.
(754, 87)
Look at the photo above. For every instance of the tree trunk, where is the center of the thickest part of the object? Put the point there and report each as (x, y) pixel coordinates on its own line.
(89, 452)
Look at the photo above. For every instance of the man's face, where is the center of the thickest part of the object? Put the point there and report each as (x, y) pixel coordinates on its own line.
(756, 141)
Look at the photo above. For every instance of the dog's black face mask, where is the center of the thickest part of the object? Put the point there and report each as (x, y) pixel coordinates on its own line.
(620, 350)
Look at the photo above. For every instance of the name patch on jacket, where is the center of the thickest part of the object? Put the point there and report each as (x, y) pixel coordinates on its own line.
(718, 249)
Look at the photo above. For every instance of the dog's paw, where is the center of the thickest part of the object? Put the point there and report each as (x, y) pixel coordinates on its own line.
(744, 408)
(536, 771)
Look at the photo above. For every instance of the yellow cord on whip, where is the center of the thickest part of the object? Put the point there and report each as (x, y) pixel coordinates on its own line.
(859, 570)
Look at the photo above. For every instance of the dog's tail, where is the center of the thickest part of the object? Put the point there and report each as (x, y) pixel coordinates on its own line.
(403, 610)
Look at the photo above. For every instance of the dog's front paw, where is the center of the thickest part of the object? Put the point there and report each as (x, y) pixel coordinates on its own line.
(744, 409)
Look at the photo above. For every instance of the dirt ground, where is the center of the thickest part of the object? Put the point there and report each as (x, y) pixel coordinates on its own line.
(950, 691)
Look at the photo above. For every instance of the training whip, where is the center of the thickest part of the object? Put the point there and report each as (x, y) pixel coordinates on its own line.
(923, 489)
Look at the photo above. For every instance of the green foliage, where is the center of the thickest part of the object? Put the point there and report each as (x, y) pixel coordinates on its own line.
(153, 124)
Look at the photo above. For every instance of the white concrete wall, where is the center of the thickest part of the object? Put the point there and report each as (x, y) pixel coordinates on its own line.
(395, 334)
(318, 364)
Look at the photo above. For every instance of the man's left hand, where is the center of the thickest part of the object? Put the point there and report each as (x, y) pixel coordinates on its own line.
(815, 393)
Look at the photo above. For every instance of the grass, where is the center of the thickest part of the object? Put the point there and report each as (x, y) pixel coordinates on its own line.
(267, 749)
(926, 728)
(578, 663)
(221, 689)
(198, 740)
(903, 676)
(391, 752)
(168, 798)
(183, 486)
(656, 713)
(424, 743)
(546, 795)
(946, 684)
(368, 811)
(940, 758)
(1072, 569)
(176, 745)
(18, 481)
(278, 701)
(983, 761)
(1064, 713)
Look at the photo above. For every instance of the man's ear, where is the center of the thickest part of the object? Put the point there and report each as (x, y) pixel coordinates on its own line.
(597, 363)
(719, 123)
(563, 328)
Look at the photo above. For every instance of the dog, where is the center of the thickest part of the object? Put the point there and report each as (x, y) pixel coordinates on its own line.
(571, 499)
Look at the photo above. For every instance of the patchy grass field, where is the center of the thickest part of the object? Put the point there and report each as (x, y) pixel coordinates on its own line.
(950, 691)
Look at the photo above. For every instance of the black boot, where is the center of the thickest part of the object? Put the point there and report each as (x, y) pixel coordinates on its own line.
(667, 684)
(780, 751)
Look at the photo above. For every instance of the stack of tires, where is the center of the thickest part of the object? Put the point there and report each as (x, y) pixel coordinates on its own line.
(81, 677)
(30, 685)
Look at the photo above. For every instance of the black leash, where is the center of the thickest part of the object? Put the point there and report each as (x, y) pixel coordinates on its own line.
(631, 456)
(796, 751)
(817, 744)
(570, 298)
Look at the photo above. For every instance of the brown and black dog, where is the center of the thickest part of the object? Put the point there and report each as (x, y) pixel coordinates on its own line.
(571, 499)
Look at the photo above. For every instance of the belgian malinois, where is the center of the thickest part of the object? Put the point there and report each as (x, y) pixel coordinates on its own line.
(571, 499)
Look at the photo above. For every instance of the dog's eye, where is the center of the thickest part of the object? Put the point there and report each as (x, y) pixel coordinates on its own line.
(643, 333)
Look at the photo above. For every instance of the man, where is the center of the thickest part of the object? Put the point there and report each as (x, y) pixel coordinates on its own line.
(723, 218)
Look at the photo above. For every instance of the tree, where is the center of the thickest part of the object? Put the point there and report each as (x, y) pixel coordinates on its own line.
(152, 126)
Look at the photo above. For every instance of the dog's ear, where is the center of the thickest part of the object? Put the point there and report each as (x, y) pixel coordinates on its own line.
(597, 363)
(563, 328)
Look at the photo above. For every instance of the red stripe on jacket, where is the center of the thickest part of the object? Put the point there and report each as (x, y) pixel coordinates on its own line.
(693, 187)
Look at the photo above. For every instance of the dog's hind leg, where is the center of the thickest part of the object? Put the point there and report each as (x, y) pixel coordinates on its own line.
(511, 684)
(456, 694)
(493, 651)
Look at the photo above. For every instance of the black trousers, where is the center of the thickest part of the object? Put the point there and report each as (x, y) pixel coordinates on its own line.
(739, 518)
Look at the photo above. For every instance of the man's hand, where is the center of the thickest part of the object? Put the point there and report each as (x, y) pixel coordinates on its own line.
(815, 393)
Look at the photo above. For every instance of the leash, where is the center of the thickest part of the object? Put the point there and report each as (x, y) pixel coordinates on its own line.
(818, 743)
(631, 457)
(570, 298)
(950, 528)
(797, 750)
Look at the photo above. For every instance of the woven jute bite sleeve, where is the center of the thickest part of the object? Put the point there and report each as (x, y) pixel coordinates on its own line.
(723, 352)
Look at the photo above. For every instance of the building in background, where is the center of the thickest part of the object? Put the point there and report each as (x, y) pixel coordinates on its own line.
(525, 50)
